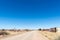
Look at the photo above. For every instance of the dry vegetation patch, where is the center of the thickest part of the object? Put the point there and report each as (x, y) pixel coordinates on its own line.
(10, 33)
(49, 35)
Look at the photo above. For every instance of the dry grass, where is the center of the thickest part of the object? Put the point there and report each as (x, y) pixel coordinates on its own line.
(49, 35)
(12, 33)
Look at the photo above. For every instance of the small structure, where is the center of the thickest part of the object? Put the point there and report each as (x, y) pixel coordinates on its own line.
(52, 29)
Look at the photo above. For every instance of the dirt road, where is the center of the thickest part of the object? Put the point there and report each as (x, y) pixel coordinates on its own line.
(33, 35)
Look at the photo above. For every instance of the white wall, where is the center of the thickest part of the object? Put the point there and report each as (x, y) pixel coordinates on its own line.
(58, 29)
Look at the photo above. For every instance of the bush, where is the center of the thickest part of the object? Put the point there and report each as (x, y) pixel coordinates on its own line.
(39, 29)
(4, 33)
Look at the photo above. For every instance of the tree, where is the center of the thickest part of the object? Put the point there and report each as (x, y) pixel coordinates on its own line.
(39, 29)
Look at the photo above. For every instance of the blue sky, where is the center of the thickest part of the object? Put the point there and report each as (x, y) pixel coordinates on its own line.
(30, 14)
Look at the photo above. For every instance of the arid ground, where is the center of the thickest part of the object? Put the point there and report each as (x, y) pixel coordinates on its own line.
(32, 35)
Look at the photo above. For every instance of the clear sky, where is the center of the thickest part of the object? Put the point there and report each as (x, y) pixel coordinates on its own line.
(30, 14)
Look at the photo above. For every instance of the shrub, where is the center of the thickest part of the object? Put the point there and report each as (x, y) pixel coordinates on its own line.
(39, 29)
(4, 33)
